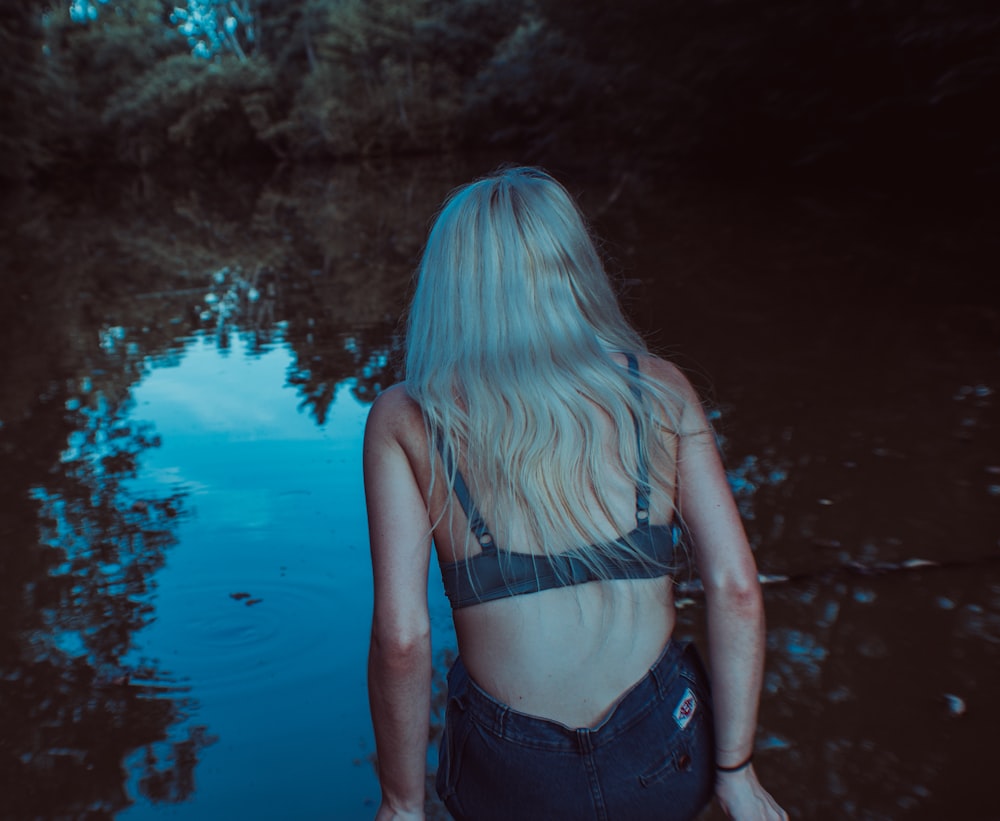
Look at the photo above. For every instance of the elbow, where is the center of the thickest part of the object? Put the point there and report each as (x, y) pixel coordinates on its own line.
(739, 595)
(401, 648)
(747, 599)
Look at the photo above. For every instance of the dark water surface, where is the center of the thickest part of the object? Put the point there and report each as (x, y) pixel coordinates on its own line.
(184, 581)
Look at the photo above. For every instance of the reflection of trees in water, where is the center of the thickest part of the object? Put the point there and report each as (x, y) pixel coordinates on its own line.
(322, 359)
(359, 232)
(320, 258)
(81, 546)
(109, 540)
(81, 551)
(320, 261)
(244, 303)
(102, 280)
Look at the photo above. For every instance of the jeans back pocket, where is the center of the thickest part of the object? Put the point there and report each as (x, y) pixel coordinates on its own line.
(678, 759)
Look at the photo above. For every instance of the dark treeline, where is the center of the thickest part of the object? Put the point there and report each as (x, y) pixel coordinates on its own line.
(886, 86)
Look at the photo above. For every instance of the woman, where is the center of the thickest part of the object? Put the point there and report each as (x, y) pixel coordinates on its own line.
(549, 460)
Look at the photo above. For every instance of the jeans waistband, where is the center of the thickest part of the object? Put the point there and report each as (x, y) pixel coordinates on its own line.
(542, 733)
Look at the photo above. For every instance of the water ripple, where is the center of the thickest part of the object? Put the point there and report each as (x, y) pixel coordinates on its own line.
(271, 637)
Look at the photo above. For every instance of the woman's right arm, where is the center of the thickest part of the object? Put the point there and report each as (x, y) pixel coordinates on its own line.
(735, 611)
(399, 660)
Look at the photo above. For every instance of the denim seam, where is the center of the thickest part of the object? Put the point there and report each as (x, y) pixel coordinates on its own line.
(565, 746)
(600, 806)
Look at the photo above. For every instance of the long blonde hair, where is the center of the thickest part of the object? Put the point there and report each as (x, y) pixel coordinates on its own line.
(508, 353)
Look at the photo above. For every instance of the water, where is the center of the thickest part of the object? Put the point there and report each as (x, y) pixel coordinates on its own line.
(184, 590)
(263, 605)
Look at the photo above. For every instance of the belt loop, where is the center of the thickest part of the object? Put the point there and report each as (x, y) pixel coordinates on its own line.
(657, 674)
(584, 740)
(665, 669)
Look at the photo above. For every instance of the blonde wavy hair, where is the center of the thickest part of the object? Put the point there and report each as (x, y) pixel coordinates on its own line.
(509, 345)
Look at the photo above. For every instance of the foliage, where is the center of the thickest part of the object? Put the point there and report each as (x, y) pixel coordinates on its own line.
(97, 58)
(771, 85)
(217, 27)
(215, 107)
(385, 75)
(27, 78)
(751, 84)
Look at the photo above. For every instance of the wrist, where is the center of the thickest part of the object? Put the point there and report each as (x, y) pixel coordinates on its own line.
(388, 812)
(735, 768)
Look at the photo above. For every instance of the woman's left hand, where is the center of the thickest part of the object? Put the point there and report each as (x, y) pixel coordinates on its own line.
(744, 799)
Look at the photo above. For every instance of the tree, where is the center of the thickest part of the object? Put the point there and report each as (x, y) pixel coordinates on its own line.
(31, 93)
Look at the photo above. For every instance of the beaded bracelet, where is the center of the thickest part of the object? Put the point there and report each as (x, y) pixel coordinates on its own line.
(741, 766)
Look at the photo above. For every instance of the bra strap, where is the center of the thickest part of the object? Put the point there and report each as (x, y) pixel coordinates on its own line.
(642, 489)
(476, 523)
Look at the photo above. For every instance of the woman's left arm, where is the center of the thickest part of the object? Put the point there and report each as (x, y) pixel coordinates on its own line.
(399, 659)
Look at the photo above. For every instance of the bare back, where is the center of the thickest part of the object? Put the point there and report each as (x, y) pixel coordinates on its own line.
(567, 653)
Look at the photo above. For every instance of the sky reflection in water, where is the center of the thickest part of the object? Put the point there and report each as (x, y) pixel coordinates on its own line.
(264, 604)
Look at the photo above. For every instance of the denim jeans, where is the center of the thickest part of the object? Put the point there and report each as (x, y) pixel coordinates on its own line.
(652, 757)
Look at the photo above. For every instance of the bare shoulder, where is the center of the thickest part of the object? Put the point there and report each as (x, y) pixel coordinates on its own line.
(690, 414)
(395, 416)
(670, 376)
